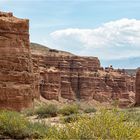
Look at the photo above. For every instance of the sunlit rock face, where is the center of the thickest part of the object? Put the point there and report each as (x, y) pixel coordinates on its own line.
(138, 87)
(54, 74)
(16, 75)
(63, 75)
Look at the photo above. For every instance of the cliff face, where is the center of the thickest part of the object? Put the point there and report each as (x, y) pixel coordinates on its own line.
(53, 74)
(138, 87)
(74, 77)
(16, 75)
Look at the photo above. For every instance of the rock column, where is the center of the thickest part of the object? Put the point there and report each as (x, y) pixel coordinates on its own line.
(16, 75)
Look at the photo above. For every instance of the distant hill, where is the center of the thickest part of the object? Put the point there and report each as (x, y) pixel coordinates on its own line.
(37, 49)
(130, 64)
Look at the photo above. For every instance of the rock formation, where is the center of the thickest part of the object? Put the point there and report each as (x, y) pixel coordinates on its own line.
(50, 84)
(54, 74)
(138, 87)
(16, 75)
(81, 78)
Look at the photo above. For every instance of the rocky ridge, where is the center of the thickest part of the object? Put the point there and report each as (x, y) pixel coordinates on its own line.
(28, 71)
(81, 78)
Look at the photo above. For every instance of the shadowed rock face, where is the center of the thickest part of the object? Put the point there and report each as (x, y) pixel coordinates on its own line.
(16, 75)
(138, 87)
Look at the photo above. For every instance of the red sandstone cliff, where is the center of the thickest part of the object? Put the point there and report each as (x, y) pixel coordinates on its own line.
(81, 78)
(53, 74)
(16, 75)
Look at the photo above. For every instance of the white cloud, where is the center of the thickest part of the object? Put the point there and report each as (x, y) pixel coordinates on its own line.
(113, 40)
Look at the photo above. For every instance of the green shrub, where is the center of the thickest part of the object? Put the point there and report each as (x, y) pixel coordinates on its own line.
(29, 112)
(47, 111)
(105, 125)
(69, 109)
(90, 110)
(13, 124)
(37, 130)
(70, 118)
(110, 125)
(16, 126)
(133, 115)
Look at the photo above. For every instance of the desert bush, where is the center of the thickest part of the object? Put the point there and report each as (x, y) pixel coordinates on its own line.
(14, 125)
(73, 130)
(37, 130)
(28, 112)
(71, 118)
(47, 111)
(69, 109)
(133, 115)
(110, 125)
(103, 125)
(90, 110)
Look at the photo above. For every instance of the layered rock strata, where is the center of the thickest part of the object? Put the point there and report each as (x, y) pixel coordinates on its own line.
(16, 75)
(50, 84)
(83, 78)
(54, 74)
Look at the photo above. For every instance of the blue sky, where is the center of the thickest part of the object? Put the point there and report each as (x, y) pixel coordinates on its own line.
(108, 29)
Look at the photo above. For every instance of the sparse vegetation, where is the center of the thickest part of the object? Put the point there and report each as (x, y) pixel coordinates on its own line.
(37, 130)
(133, 114)
(14, 125)
(104, 125)
(46, 111)
(69, 109)
(90, 110)
(29, 112)
(70, 118)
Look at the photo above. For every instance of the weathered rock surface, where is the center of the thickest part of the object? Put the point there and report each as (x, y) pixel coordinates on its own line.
(82, 78)
(54, 74)
(138, 87)
(16, 75)
(50, 84)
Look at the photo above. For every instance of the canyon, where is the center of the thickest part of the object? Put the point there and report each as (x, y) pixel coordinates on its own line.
(64, 75)
(29, 70)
